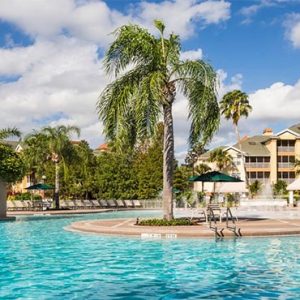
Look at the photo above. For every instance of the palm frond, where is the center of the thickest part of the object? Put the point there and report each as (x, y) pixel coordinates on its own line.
(9, 132)
(133, 46)
(197, 80)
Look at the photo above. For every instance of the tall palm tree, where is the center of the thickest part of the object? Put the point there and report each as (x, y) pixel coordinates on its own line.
(222, 159)
(233, 106)
(148, 72)
(56, 140)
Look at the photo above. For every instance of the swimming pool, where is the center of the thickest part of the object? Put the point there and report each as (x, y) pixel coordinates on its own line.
(40, 260)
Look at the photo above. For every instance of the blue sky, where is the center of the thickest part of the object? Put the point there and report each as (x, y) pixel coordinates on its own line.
(51, 51)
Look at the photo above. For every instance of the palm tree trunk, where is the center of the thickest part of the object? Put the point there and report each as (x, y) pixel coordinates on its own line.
(56, 191)
(242, 154)
(168, 162)
(3, 204)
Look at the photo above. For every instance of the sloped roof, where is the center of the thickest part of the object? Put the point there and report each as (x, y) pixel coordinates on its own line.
(254, 146)
(102, 147)
(295, 128)
(294, 186)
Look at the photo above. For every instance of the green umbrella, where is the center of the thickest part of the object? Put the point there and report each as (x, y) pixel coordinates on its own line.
(214, 177)
(40, 186)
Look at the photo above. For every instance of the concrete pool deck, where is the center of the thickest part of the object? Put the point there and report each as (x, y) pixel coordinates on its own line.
(127, 227)
(251, 222)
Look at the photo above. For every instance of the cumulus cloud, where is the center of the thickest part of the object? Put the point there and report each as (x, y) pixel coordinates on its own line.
(277, 102)
(57, 79)
(192, 54)
(249, 11)
(94, 20)
(59, 84)
(180, 15)
(292, 25)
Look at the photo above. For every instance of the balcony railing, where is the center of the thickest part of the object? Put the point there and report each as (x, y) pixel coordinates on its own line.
(286, 165)
(258, 165)
(287, 180)
(262, 180)
(286, 149)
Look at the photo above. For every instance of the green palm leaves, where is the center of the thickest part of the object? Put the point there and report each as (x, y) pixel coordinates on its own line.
(9, 132)
(147, 70)
(235, 105)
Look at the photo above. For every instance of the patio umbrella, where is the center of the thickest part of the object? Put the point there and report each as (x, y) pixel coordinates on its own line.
(40, 186)
(214, 177)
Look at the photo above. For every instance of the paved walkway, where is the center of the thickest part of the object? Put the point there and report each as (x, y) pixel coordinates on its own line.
(57, 212)
(249, 227)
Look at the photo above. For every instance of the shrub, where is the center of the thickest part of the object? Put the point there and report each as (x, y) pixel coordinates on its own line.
(25, 196)
(12, 167)
(279, 187)
(162, 222)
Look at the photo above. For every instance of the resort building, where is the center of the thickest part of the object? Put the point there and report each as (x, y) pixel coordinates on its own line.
(268, 157)
(100, 149)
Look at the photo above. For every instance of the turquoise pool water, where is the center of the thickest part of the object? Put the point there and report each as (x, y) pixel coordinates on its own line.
(40, 260)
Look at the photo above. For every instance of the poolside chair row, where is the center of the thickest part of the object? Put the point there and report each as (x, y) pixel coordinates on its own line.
(24, 205)
(92, 204)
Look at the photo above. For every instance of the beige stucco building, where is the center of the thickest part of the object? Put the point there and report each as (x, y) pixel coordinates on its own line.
(268, 157)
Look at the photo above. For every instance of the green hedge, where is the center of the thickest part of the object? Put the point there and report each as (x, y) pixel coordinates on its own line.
(162, 222)
(24, 196)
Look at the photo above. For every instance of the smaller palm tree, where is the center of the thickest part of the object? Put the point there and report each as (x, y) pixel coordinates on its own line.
(222, 159)
(233, 106)
(56, 141)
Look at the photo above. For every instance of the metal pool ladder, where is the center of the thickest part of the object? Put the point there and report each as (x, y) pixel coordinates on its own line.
(229, 218)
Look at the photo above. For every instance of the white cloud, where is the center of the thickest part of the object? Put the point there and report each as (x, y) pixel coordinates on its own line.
(292, 25)
(249, 11)
(180, 16)
(60, 74)
(59, 85)
(277, 102)
(225, 85)
(95, 20)
(192, 54)
(37, 17)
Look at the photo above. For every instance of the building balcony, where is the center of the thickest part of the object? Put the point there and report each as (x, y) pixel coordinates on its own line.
(258, 165)
(261, 180)
(285, 149)
(287, 180)
(286, 165)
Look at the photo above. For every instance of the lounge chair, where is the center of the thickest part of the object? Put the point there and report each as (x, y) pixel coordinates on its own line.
(103, 203)
(111, 203)
(120, 203)
(79, 204)
(10, 205)
(95, 203)
(87, 204)
(128, 203)
(20, 205)
(137, 204)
